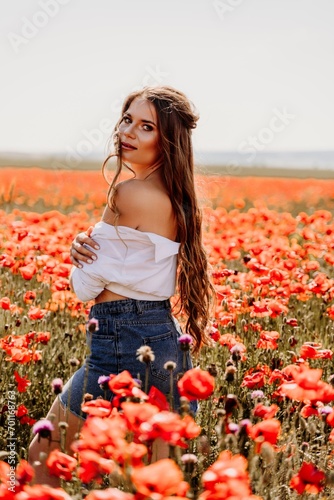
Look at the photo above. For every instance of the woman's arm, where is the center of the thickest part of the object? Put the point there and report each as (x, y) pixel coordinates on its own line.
(79, 251)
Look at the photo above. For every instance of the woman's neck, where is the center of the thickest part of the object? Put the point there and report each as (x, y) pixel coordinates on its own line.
(142, 173)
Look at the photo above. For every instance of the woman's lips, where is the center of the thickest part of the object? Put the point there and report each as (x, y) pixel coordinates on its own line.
(127, 146)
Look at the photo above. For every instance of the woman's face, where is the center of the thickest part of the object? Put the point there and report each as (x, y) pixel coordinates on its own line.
(138, 133)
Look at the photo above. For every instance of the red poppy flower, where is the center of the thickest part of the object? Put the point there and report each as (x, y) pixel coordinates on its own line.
(309, 479)
(28, 271)
(260, 309)
(122, 384)
(311, 350)
(106, 434)
(22, 414)
(229, 340)
(97, 408)
(157, 398)
(226, 478)
(131, 455)
(42, 491)
(29, 296)
(331, 436)
(306, 386)
(158, 480)
(292, 322)
(109, 494)
(6, 261)
(24, 472)
(22, 382)
(265, 412)
(42, 337)
(196, 384)
(330, 419)
(4, 471)
(277, 375)
(268, 340)
(267, 430)
(330, 312)
(254, 380)
(214, 333)
(135, 414)
(36, 313)
(5, 303)
(92, 466)
(61, 465)
(170, 427)
(309, 410)
(277, 275)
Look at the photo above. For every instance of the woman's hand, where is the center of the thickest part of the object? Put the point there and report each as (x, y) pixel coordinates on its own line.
(80, 252)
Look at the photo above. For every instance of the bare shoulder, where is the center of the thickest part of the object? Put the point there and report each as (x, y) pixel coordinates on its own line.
(145, 206)
(136, 189)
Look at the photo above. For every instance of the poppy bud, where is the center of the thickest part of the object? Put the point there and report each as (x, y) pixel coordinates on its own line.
(43, 456)
(229, 373)
(236, 353)
(43, 428)
(292, 341)
(212, 369)
(233, 427)
(74, 362)
(304, 446)
(185, 342)
(292, 322)
(57, 385)
(189, 460)
(145, 354)
(170, 366)
(63, 425)
(258, 394)
(231, 401)
(229, 362)
(184, 405)
(88, 397)
(92, 325)
(103, 382)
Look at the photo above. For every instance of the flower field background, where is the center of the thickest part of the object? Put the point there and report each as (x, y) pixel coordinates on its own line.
(265, 425)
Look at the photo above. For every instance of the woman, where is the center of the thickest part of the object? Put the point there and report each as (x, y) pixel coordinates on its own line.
(150, 241)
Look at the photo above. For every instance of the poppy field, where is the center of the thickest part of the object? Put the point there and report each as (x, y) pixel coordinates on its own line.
(265, 424)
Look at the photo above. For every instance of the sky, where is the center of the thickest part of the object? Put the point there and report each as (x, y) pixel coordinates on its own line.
(260, 72)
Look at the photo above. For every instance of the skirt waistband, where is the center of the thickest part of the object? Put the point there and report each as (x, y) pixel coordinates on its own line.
(128, 305)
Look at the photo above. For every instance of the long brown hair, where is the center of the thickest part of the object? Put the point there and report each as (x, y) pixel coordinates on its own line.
(176, 119)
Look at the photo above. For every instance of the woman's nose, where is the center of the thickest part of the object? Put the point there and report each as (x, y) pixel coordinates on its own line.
(129, 130)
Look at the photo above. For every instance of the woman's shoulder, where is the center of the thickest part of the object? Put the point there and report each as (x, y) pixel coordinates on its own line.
(141, 193)
(145, 207)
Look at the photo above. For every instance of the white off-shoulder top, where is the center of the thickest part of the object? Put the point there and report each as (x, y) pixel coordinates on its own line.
(139, 265)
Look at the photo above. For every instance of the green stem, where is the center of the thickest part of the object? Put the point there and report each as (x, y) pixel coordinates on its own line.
(184, 364)
(146, 378)
(171, 391)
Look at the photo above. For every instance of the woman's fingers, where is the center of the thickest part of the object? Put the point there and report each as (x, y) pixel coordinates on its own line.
(81, 249)
(89, 230)
(75, 262)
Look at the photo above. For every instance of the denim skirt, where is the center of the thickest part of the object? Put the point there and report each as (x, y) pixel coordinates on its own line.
(123, 327)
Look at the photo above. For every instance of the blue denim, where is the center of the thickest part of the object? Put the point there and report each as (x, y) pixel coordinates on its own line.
(125, 326)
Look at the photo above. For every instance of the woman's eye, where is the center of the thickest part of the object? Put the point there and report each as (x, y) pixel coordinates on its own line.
(126, 119)
(148, 128)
